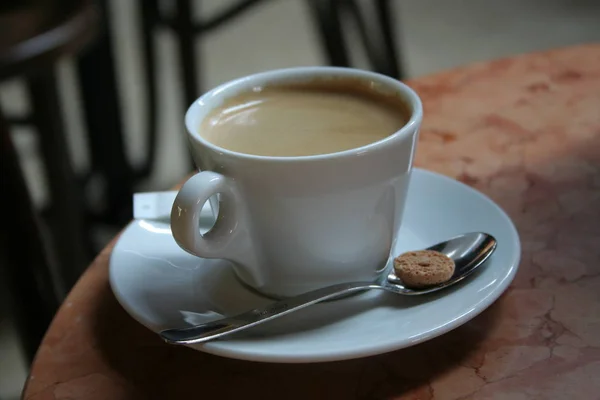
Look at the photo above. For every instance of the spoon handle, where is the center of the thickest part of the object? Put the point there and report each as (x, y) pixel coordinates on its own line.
(215, 329)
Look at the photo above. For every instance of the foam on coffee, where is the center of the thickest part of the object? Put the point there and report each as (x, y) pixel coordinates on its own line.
(310, 118)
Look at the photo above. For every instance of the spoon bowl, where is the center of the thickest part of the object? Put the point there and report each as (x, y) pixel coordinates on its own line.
(468, 251)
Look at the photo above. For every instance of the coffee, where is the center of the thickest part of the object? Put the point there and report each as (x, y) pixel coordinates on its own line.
(305, 118)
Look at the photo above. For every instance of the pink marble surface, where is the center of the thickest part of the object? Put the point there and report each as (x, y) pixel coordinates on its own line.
(525, 131)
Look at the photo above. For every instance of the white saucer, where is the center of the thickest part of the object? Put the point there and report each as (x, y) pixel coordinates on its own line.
(161, 286)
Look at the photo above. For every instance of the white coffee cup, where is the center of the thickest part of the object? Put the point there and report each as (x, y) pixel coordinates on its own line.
(293, 224)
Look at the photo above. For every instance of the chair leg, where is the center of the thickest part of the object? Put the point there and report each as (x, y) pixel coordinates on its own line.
(385, 17)
(377, 38)
(327, 18)
(67, 226)
(149, 13)
(184, 29)
(103, 121)
(25, 264)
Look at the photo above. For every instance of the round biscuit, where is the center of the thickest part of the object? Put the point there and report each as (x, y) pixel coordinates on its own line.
(422, 268)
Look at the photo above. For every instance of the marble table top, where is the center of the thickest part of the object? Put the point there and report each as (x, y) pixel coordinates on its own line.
(525, 131)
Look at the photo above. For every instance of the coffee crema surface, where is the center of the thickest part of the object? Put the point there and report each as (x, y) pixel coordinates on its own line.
(304, 119)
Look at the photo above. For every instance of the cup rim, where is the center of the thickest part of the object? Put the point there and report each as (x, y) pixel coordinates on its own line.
(408, 94)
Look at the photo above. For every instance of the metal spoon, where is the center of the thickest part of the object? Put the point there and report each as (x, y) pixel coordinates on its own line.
(468, 251)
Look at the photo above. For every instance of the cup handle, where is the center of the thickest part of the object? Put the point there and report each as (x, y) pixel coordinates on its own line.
(220, 241)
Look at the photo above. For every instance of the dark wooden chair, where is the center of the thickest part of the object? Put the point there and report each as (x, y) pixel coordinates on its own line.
(39, 268)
